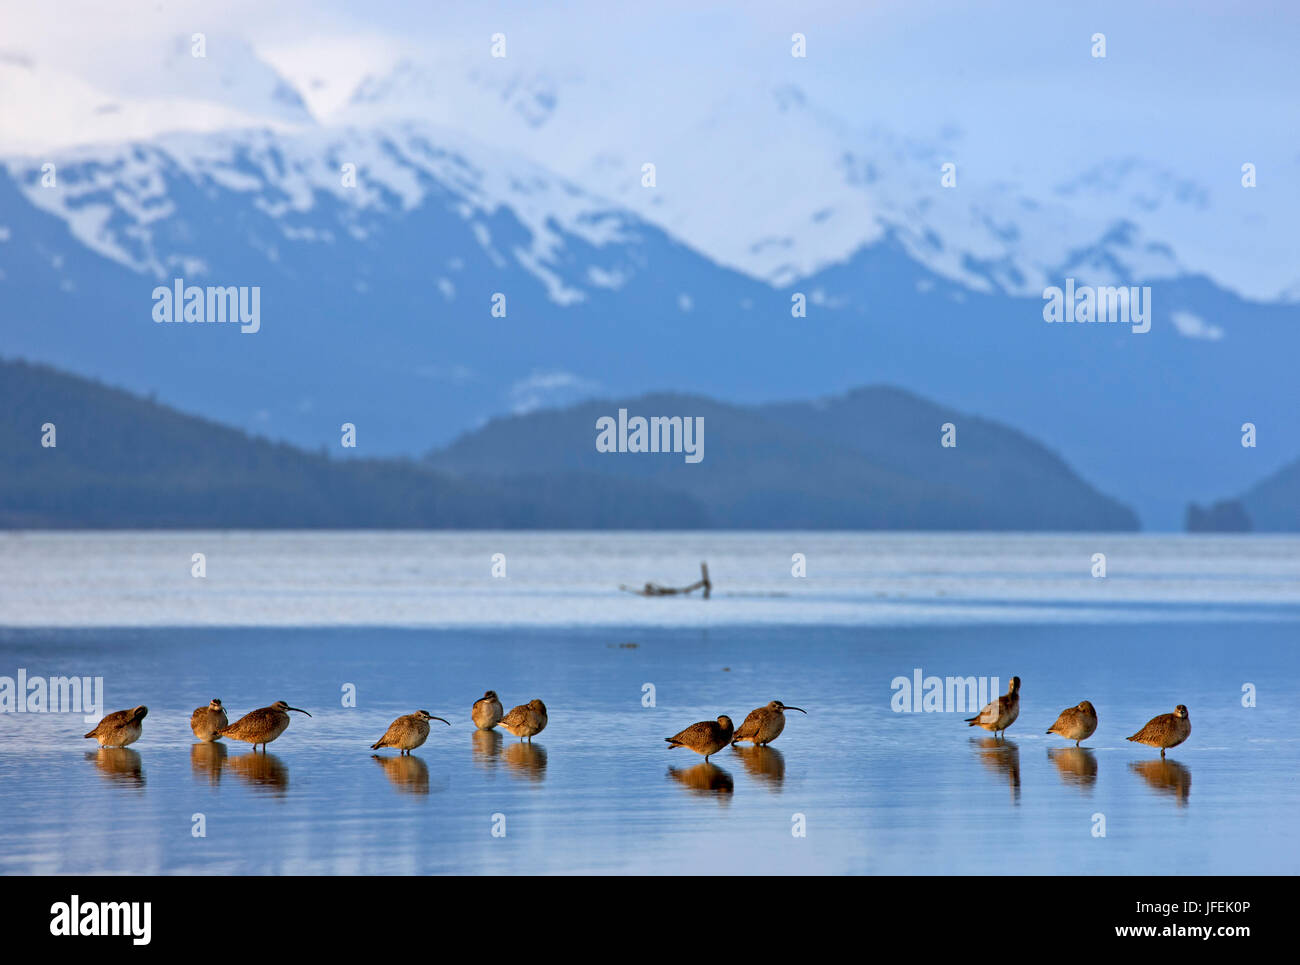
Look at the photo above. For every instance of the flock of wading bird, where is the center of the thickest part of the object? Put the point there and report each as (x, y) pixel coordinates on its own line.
(1080, 722)
(261, 726)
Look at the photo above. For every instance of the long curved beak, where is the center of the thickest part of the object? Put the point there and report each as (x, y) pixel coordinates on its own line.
(800, 709)
(443, 719)
(299, 709)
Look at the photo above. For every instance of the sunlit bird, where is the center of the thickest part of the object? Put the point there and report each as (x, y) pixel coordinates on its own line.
(765, 724)
(526, 720)
(206, 722)
(261, 726)
(999, 714)
(486, 712)
(1165, 731)
(408, 732)
(120, 728)
(706, 737)
(1076, 723)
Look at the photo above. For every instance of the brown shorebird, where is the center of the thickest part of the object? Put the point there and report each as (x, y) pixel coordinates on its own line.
(526, 719)
(1076, 723)
(261, 726)
(1167, 730)
(120, 728)
(408, 732)
(206, 722)
(487, 711)
(999, 714)
(707, 737)
(765, 724)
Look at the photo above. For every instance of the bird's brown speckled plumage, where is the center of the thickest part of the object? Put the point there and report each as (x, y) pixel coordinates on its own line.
(764, 724)
(486, 711)
(207, 722)
(998, 715)
(1076, 723)
(261, 726)
(706, 737)
(120, 728)
(1165, 731)
(526, 720)
(408, 732)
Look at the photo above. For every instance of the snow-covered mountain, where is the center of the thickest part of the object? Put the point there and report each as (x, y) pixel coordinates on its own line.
(763, 180)
(377, 296)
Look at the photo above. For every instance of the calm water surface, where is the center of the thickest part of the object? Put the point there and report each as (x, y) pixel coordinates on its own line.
(416, 621)
(598, 790)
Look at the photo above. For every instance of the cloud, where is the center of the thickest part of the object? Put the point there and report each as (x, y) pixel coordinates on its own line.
(547, 388)
(1193, 326)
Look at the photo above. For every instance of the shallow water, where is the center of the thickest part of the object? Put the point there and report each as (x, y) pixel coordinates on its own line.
(879, 791)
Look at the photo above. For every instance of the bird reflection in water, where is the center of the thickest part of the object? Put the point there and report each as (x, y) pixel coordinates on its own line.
(704, 778)
(207, 759)
(408, 772)
(526, 759)
(264, 771)
(1076, 765)
(486, 747)
(1165, 776)
(766, 764)
(120, 765)
(1002, 756)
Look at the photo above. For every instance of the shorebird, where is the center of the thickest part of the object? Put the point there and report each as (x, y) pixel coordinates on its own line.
(707, 737)
(765, 724)
(408, 732)
(999, 714)
(1076, 723)
(486, 712)
(120, 728)
(1167, 730)
(261, 726)
(206, 722)
(526, 719)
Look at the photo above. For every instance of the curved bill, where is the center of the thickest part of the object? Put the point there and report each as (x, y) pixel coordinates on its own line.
(299, 709)
(800, 709)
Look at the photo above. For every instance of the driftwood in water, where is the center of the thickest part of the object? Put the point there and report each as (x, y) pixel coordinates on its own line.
(654, 589)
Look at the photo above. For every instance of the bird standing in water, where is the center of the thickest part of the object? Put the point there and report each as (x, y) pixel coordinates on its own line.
(706, 737)
(999, 714)
(1167, 730)
(408, 732)
(119, 728)
(526, 720)
(486, 711)
(206, 722)
(261, 726)
(764, 725)
(1076, 723)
